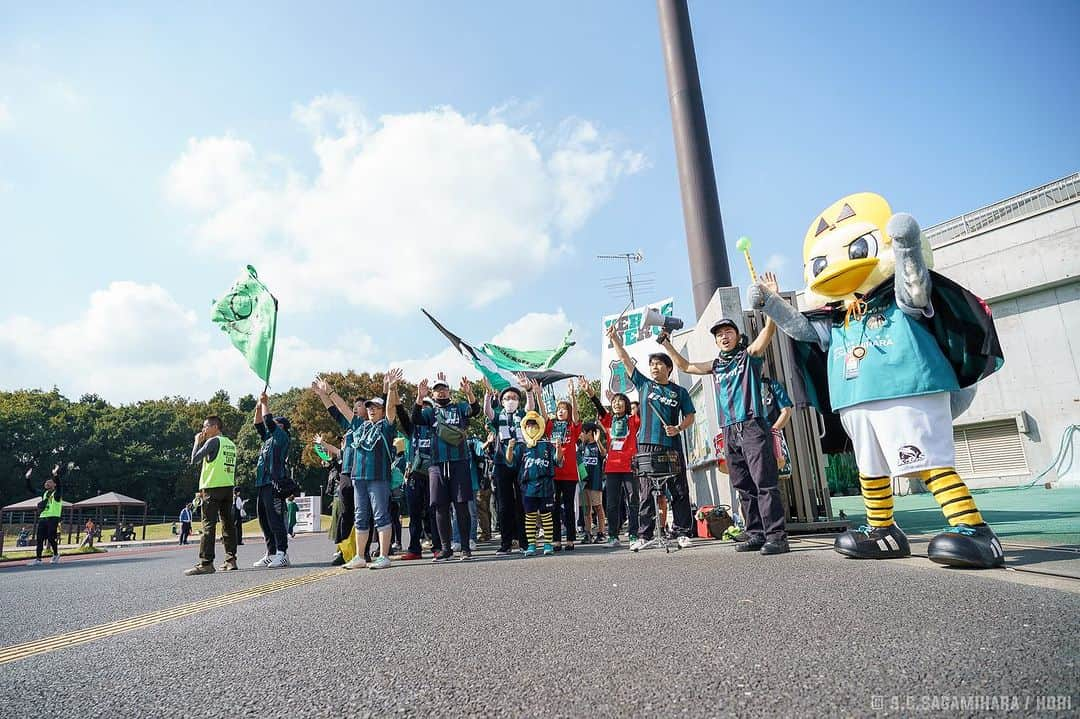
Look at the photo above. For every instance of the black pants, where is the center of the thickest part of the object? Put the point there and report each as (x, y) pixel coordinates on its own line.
(752, 468)
(185, 532)
(510, 511)
(46, 532)
(450, 484)
(419, 513)
(395, 521)
(271, 511)
(680, 502)
(238, 520)
(618, 483)
(565, 504)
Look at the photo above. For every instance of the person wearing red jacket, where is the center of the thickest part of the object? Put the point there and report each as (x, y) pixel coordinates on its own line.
(621, 427)
(563, 432)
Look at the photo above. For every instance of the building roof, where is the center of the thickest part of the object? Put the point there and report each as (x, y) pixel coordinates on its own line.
(110, 499)
(28, 505)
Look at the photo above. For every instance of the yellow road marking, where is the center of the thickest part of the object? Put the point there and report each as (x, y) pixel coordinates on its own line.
(44, 645)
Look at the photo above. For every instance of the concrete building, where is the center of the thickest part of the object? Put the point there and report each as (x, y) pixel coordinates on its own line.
(1022, 256)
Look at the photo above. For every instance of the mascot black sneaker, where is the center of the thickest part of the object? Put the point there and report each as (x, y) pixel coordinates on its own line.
(873, 543)
(964, 546)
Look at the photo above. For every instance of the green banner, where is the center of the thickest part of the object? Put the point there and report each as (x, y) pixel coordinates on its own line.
(517, 360)
(248, 315)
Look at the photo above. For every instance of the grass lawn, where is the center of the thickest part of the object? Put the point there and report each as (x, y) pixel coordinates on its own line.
(16, 555)
(164, 530)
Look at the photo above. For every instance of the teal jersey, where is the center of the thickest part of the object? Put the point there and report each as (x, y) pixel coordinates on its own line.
(455, 414)
(660, 404)
(505, 426)
(738, 388)
(589, 454)
(899, 357)
(536, 468)
(373, 444)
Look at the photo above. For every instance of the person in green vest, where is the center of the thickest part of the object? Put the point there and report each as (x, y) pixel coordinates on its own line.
(217, 476)
(291, 509)
(50, 508)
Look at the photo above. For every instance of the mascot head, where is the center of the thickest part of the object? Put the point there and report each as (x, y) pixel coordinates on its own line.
(532, 428)
(847, 251)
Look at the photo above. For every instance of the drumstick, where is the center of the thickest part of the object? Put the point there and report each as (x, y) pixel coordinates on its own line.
(660, 416)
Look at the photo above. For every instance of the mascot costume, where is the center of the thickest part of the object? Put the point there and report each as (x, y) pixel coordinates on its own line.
(892, 346)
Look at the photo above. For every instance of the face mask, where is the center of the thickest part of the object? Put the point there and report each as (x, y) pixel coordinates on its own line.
(443, 402)
(510, 405)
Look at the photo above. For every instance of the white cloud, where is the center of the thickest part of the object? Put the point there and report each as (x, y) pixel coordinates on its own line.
(135, 342)
(435, 203)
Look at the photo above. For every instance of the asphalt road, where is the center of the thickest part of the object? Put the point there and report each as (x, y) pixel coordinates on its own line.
(599, 633)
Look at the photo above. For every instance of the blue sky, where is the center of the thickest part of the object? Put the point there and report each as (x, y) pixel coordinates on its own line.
(471, 157)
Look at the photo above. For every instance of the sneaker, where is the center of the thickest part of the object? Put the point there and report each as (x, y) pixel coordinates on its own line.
(380, 563)
(684, 542)
(549, 550)
(200, 569)
(455, 546)
(425, 544)
(410, 556)
(34, 563)
(868, 542)
(442, 556)
(500, 552)
(556, 548)
(55, 559)
(338, 560)
(966, 546)
(264, 562)
(472, 545)
(530, 551)
(465, 556)
(642, 543)
(613, 542)
(395, 547)
(632, 538)
(569, 547)
(229, 566)
(753, 544)
(279, 561)
(776, 546)
(356, 562)
(598, 539)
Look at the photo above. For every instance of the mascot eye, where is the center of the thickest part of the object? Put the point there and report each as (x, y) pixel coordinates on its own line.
(818, 265)
(863, 247)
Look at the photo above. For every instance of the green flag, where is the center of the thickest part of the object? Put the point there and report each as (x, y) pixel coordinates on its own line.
(248, 314)
(516, 360)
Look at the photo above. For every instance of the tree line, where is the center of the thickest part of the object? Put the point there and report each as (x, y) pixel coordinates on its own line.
(143, 449)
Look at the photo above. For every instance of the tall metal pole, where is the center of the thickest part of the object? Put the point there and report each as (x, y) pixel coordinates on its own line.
(697, 180)
(630, 281)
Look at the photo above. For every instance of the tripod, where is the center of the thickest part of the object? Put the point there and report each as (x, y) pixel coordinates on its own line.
(657, 482)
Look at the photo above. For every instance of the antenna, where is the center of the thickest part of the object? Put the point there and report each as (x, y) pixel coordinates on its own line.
(615, 284)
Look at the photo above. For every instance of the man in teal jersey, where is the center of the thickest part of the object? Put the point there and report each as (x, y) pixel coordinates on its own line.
(661, 404)
(748, 441)
(217, 476)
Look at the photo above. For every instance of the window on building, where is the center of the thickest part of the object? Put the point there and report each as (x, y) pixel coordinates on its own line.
(989, 449)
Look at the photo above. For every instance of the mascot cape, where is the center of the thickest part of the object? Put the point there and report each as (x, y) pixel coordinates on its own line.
(962, 325)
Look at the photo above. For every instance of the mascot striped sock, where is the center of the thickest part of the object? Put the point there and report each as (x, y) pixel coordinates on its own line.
(530, 526)
(953, 496)
(549, 526)
(878, 498)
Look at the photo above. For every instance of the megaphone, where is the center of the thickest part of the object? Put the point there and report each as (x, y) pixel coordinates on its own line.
(667, 324)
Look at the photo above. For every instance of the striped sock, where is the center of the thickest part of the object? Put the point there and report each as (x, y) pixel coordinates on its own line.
(953, 496)
(878, 498)
(530, 525)
(549, 525)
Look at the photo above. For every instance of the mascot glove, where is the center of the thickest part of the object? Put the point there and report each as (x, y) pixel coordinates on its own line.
(757, 295)
(904, 231)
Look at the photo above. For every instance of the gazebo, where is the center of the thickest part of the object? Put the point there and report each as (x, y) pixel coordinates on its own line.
(30, 505)
(113, 499)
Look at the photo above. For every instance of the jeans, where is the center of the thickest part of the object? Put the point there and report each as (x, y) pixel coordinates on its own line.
(372, 496)
(271, 511)
(217, 506)
(454, 525)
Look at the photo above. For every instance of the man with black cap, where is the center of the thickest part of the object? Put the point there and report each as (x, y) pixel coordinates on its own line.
(271, 467)
(449, 476)
(662, 403)
(748, 442)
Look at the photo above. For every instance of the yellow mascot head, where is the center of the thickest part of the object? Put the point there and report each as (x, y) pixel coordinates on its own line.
(532, 428)
(847, 251)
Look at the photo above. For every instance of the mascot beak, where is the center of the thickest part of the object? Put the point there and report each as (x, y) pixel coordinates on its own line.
(843, 278)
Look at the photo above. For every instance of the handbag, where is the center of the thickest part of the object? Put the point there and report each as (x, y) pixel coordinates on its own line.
(449, 433)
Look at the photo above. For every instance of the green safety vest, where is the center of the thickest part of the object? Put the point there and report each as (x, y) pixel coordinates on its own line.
(53, 507)
(222, 471)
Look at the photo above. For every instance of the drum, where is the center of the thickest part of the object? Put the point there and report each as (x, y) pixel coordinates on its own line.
(657, 464)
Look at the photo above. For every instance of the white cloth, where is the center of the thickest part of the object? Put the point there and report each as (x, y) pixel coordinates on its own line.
(894, 437)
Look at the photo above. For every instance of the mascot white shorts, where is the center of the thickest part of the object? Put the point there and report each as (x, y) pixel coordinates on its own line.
(894, 437)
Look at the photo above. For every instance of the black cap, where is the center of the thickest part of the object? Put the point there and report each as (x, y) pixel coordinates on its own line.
(589, 427)
(283, 422)
(723, 322)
